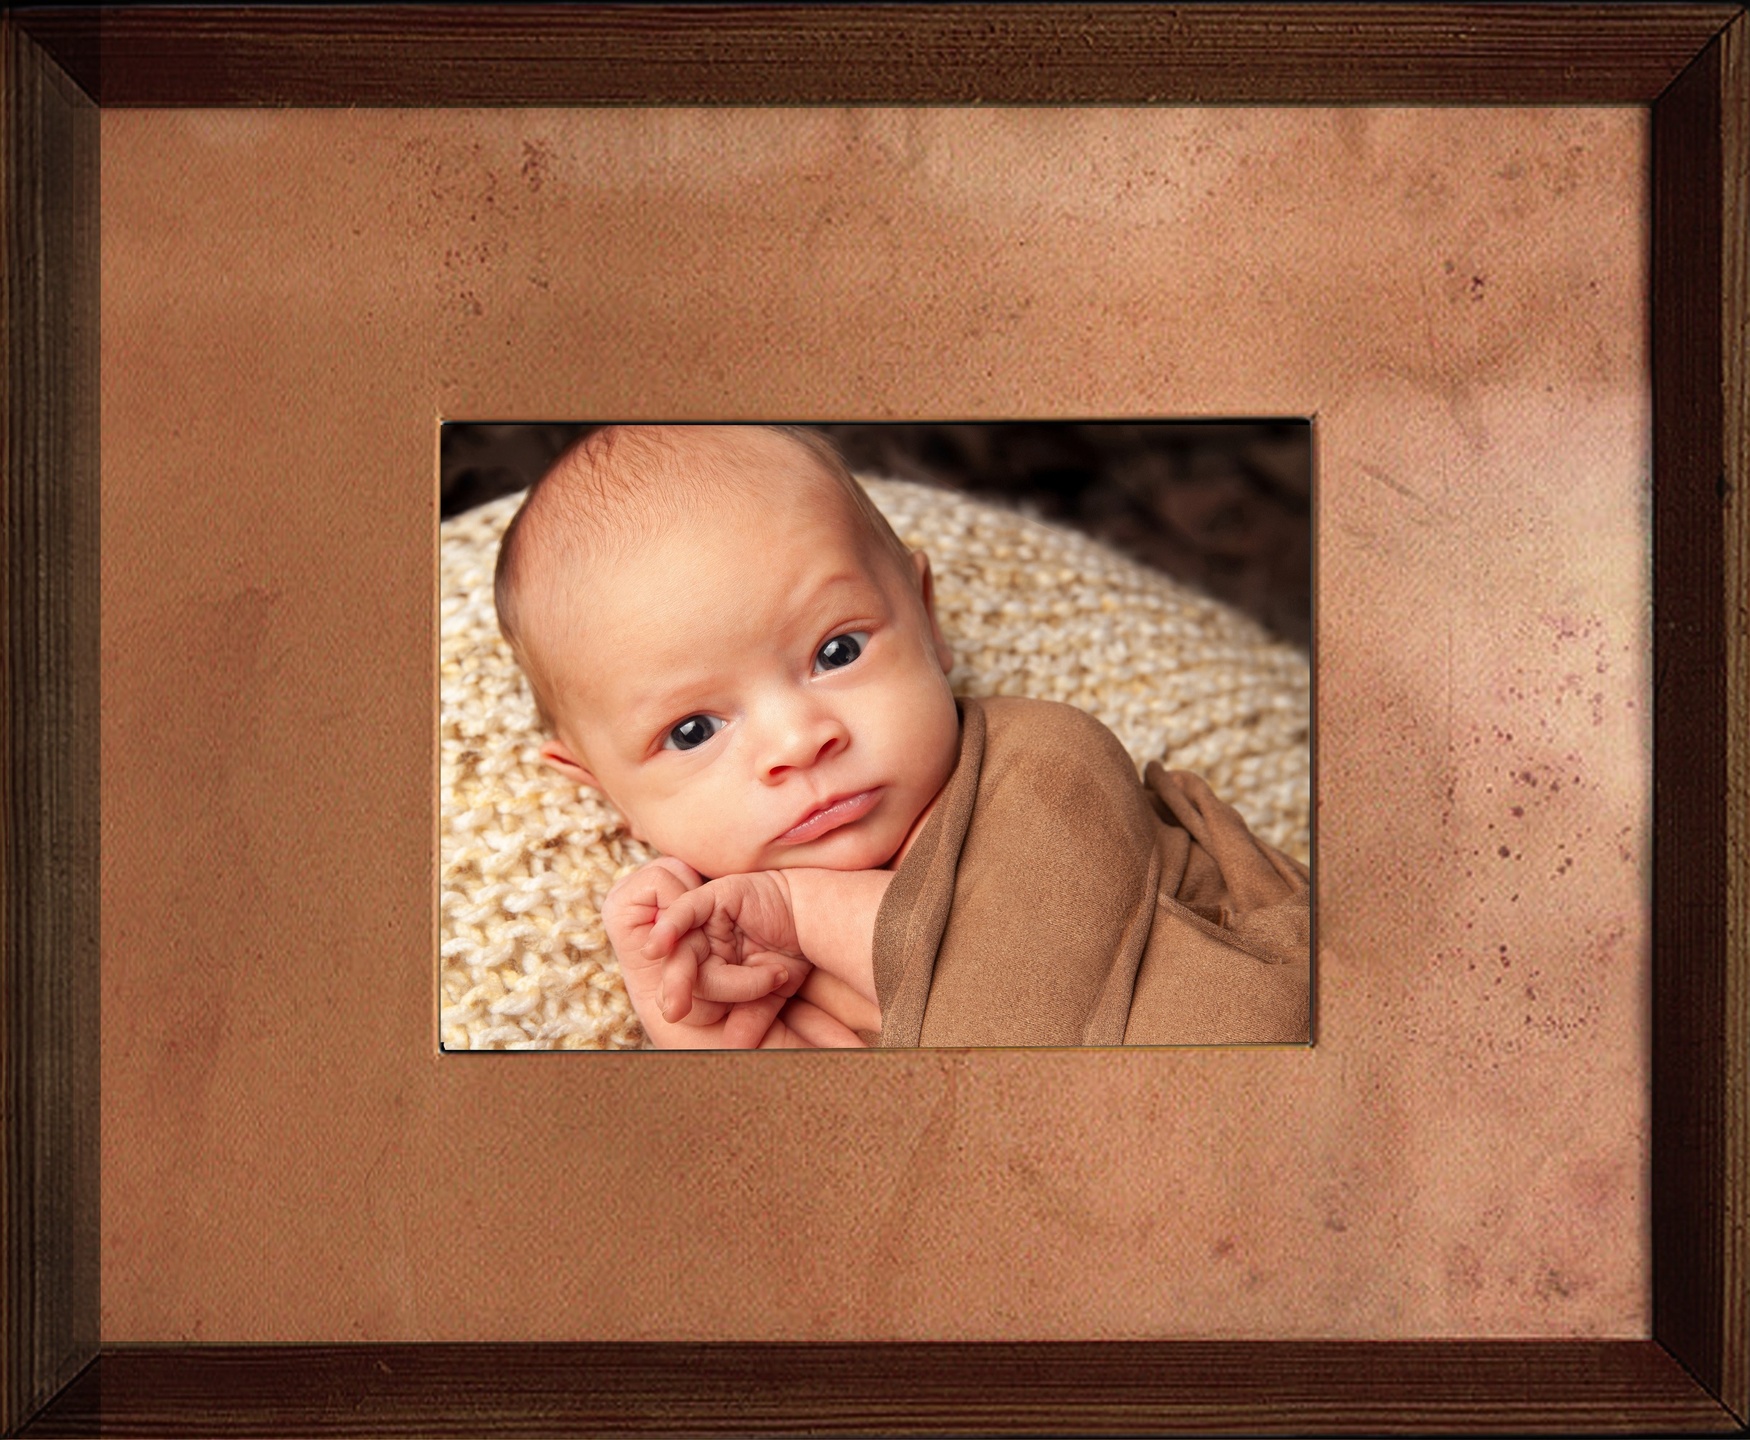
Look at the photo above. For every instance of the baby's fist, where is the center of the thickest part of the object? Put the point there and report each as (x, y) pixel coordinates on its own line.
(629, 913)
(748, 933)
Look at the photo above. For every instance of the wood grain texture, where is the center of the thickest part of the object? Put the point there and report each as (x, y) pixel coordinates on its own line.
(1735, 401)
(1700, 1025)
(1276, 55)
(1624, 1387)
(49, 811)
(890, 54)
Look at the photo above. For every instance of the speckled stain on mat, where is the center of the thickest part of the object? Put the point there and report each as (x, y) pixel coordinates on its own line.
(1455, 295)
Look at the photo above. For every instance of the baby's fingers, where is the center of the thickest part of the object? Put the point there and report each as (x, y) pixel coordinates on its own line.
(705, 1013)
(746, 1025)
(689, 878)
(683, 913)
(819, 1029)
(677, 944)
(680, 977)
(718, 979)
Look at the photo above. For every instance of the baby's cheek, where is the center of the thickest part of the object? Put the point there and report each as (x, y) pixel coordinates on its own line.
(709, 855)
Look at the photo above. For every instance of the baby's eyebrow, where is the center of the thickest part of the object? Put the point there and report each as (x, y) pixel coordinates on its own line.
(651, 707)
(837, 580)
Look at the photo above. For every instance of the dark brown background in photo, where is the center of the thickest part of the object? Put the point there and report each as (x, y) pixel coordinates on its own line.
(1225, 506)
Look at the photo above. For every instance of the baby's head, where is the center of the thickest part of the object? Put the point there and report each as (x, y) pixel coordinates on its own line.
(724, 635)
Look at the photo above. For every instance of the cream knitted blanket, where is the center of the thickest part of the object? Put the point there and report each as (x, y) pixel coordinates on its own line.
(527, 857)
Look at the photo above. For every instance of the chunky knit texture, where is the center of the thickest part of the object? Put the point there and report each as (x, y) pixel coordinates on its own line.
(527, 857)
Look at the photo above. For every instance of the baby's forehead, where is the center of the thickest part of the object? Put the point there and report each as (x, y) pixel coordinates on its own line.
(628, 497)
(759, 531)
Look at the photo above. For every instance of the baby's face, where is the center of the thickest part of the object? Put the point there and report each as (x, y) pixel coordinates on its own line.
(757, 692)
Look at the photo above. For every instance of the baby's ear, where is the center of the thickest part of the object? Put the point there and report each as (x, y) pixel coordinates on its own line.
(555, 753)
(927, 591)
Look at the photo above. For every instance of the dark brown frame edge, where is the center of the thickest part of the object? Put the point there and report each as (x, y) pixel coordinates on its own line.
(49, 847)
(1690, 63)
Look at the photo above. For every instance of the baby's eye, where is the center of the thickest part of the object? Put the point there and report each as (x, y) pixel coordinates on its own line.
(692, 732)
(840, 651)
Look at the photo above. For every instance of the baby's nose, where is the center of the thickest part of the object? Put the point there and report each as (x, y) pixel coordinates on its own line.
(803, 740)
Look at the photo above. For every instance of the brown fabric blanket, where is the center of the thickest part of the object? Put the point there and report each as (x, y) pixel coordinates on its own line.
(1050, 899)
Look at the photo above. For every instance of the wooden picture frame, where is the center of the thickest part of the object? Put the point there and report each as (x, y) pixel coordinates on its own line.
(1690, 64)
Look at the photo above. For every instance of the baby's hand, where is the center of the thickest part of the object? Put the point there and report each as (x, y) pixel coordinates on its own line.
(733, 939)
(637, 899)
(629, 913)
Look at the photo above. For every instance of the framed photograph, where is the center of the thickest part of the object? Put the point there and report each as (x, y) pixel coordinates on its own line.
(255, 258)
(989, 714)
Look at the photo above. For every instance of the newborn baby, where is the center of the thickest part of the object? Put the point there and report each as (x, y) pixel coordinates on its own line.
(726, 638)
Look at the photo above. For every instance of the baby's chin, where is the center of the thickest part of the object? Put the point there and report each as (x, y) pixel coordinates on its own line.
(863, 858)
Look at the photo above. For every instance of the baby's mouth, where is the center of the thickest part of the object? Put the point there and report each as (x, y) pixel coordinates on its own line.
(830, 816)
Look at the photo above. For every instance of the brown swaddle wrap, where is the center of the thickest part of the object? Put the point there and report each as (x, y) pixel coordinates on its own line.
(1050, 899)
